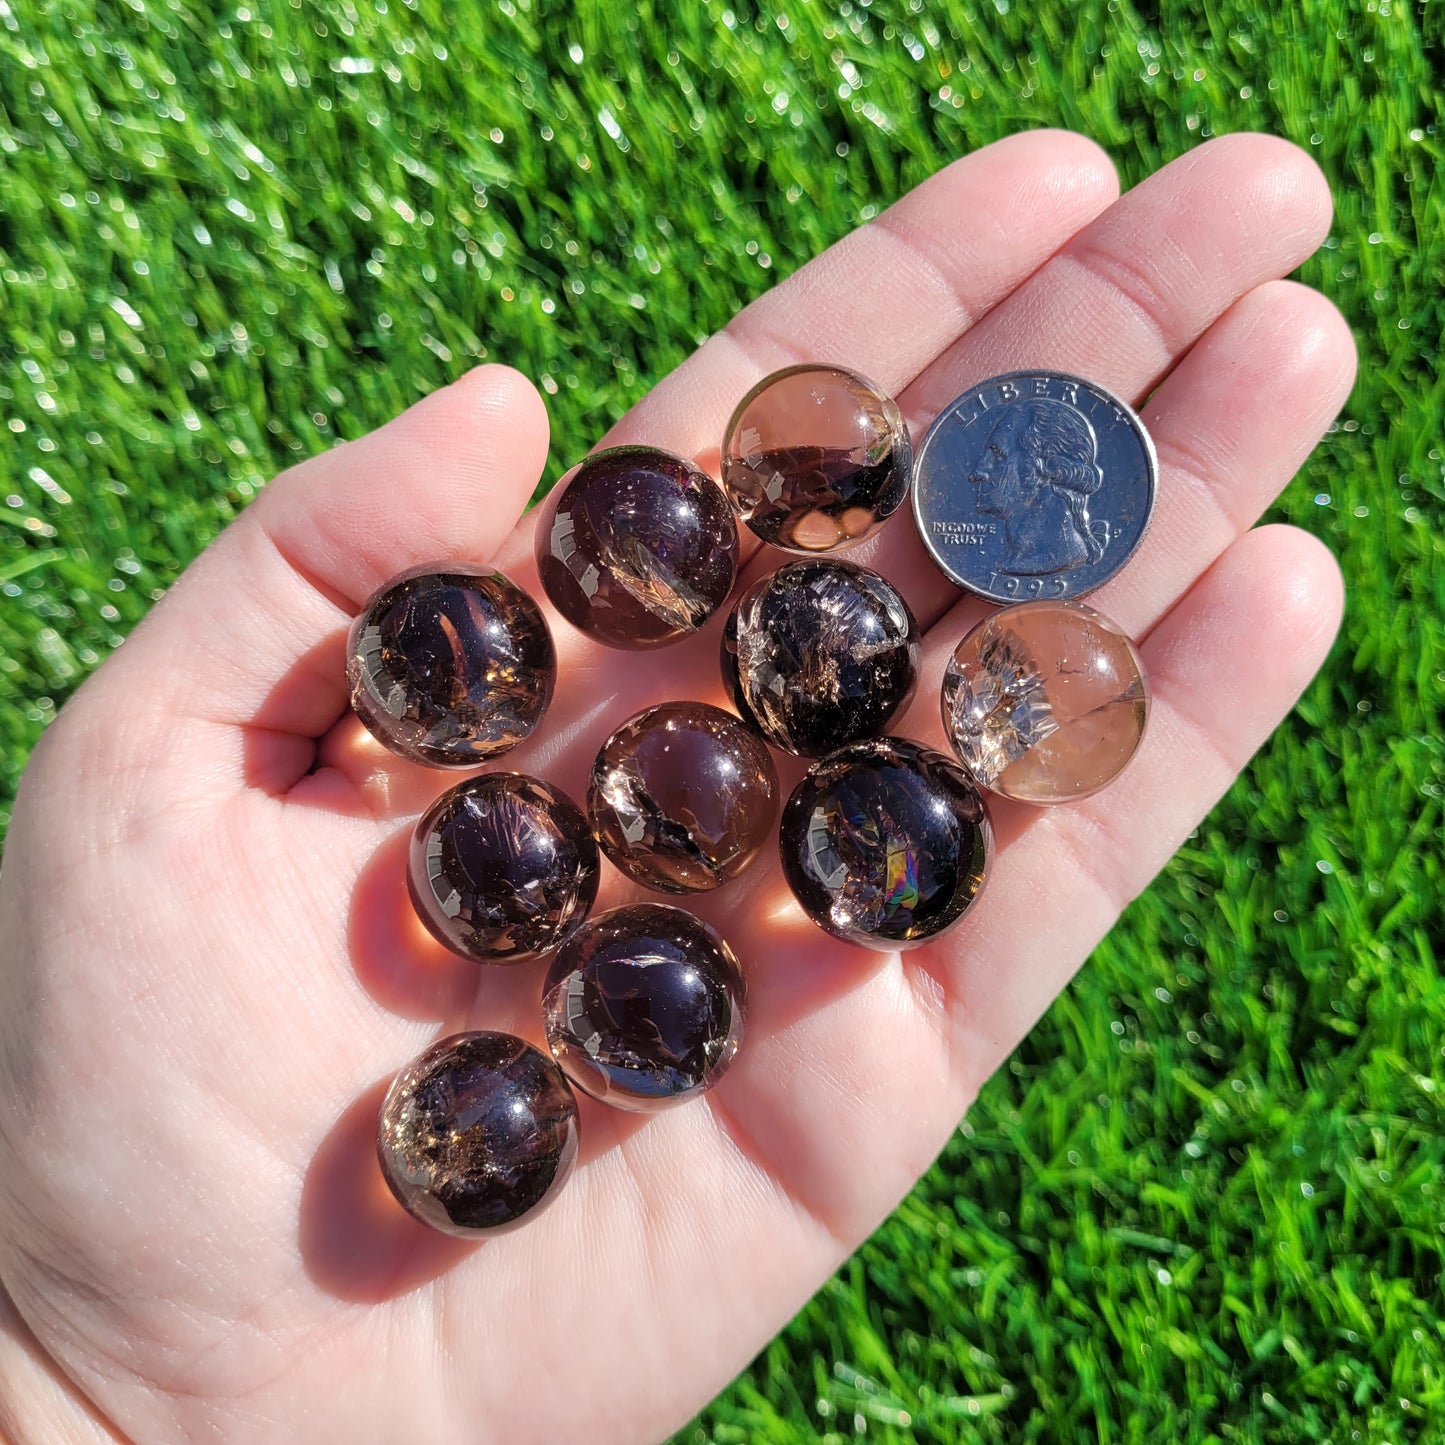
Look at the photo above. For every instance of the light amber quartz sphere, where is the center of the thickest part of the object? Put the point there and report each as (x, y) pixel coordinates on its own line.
(816, 458)
(1045, 702)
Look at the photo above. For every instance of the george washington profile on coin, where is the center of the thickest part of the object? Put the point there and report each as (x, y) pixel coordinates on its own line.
(1037, 484)
(1036, 473)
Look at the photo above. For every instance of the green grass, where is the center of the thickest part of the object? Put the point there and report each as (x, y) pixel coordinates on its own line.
(1204, 1202)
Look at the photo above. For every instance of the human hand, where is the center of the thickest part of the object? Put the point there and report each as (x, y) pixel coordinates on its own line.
(208, 970)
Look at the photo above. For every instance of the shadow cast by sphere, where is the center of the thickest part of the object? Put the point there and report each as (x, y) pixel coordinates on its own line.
(604, 1127)
(279, 745)
(357, 1242)
(806, 968)
(397, 961)
(304, 743)
(406, 970)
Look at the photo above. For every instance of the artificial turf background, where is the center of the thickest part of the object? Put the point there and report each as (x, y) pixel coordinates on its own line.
(1204, 1201)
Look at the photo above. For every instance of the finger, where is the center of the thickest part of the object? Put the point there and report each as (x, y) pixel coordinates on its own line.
(1125, 299)
(1232, 423)
(251, 636)
(1226, 664)
(1133, 290)
(886, 1057)
(890, 297)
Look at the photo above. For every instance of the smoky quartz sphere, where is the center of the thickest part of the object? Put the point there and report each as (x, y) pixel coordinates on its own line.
(682, 797)
(501, 867)
(885, 843)
(450, 664)
(816, 458)
(636, 547)
(477, 1134)
(820, 654)
(643, 1006)
(1045, 702)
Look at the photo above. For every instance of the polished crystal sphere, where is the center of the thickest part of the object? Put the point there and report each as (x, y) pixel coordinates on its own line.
(1045, 702)
(477, 1134)
(682, 797)
(819, 654)
(885, 843)
(636, 547)
(450, 664)
(501, 867)
(643, 1006)
(816, 458)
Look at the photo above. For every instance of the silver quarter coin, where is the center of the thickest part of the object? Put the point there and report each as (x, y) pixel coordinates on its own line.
(1035, 484)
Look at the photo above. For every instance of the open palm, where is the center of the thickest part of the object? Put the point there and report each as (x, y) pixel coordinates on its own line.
(208, 969)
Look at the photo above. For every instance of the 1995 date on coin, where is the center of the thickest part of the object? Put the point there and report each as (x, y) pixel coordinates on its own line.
(1035, 484)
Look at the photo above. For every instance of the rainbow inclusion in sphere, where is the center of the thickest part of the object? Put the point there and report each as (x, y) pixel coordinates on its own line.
(682, 797)
(637, 547)
(644, 1006)
(819, 654)
(502, 867)
(1045, 702)
(478, 1134)
(450, 664)
(885, 843)
(816, 458)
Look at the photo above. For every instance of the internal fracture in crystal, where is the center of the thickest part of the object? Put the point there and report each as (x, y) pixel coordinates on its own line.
(1045, 702)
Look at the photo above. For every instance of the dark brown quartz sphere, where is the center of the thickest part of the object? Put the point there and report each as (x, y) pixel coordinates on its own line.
(450, 664)
(885, 843)
(820, 654)
(816, 458)
(501, 867)
(477, 1134)
(1045, 702)
(682, 797)
(643, 1006)
(637, 547)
